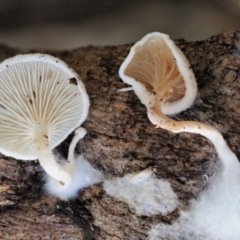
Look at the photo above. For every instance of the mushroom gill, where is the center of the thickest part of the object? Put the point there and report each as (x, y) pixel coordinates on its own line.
(155, 67)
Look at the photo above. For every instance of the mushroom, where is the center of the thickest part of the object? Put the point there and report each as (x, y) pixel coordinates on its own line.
(42, 100)
(161, 77)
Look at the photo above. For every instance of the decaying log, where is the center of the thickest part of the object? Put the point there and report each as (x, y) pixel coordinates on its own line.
(121, 140)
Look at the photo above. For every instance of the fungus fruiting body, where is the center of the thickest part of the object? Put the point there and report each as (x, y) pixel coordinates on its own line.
(162, 79)
(42, 100)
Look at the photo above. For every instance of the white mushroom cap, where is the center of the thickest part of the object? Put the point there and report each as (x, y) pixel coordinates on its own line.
(156, 65)
(42, 100)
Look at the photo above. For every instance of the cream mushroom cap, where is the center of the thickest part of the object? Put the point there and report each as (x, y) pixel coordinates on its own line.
(42, 100)
(158, 71)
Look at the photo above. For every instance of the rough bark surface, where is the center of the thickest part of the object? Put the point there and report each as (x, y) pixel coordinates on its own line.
(121, 140)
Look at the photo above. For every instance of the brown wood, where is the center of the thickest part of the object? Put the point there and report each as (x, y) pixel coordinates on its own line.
(121, 140)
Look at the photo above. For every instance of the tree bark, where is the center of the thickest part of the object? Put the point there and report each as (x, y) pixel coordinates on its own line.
(121, 140)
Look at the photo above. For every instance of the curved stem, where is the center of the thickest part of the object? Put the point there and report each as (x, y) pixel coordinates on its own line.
(79, 134)
(157, 117)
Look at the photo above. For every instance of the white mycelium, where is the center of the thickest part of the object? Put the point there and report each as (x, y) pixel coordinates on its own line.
(145, 194)
(42, 100)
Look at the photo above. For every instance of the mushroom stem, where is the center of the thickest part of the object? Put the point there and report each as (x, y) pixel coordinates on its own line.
(49, 163)
(224, 152)
(79, 134)
(62, 173)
